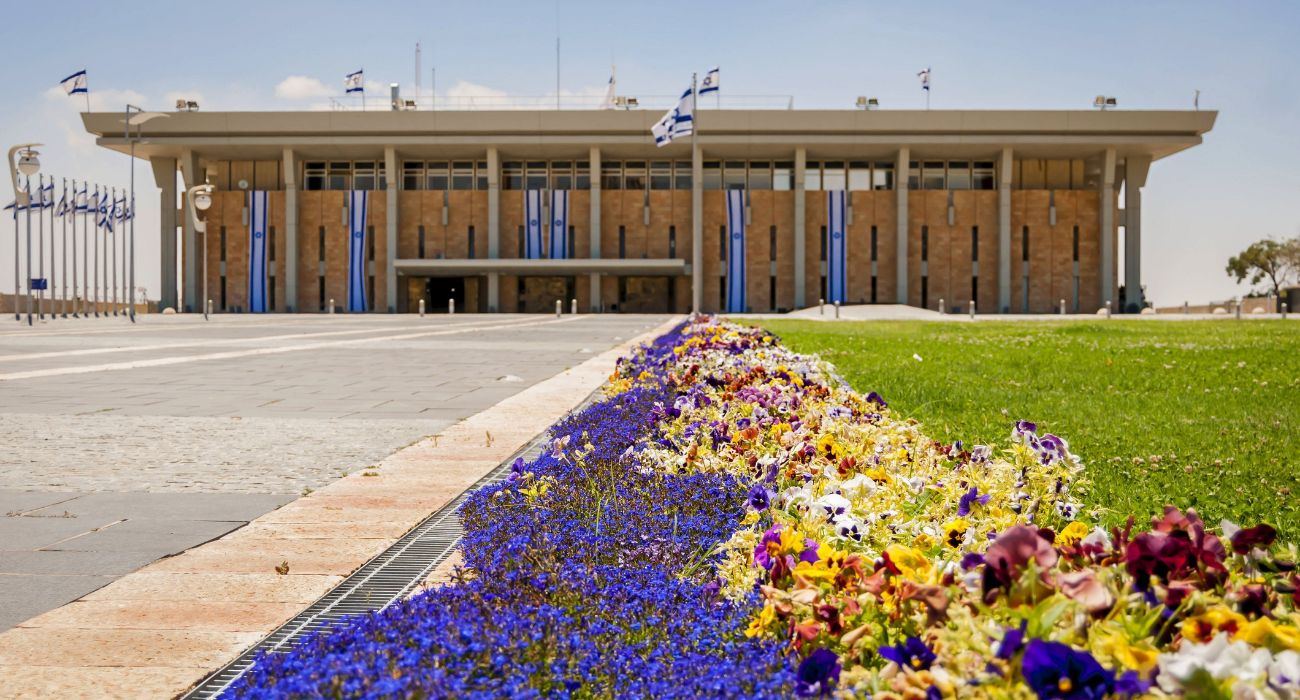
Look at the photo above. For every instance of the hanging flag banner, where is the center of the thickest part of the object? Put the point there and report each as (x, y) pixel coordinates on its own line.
(532, 224)
(358, 206)
(257, 242)
(735, 301)
(836, 256)
(559, 224)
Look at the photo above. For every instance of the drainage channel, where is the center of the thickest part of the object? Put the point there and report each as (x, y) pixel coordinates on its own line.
(380, 582)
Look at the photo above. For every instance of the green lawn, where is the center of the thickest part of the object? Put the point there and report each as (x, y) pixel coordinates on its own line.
(1194, 413)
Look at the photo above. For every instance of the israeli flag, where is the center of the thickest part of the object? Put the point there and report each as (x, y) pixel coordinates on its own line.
(63, 208)
(711, 81)
(836, 251)
(257, 242)
(559, 224)
(47, 195)
(354, 82)
(925, 79)
(676, 122)
(735, 301)
(75, 84)
(533, 224)
(358, 203)
(608, 102)
(82, 199)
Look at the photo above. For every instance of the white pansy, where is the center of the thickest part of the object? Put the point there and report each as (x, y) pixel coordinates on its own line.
(1218, 657)
(834, 505)
(860, 486)
(1098, 538)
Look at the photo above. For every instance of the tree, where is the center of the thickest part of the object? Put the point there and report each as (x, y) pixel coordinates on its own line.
(1272, 260)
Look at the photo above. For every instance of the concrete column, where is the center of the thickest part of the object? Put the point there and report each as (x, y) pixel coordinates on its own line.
(1005, 168)
(1135, 178)
(290, 170)
(392, 178)
(164, 175)
(800, 228)
(191, 174)
(1107, 276)
(494, 227)
(901, 225)
(593, 177)
(697, 228)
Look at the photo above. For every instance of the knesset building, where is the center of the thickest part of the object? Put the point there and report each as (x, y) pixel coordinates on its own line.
(1012, 210)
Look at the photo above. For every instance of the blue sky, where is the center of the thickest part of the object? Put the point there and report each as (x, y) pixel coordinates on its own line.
(1201, 206)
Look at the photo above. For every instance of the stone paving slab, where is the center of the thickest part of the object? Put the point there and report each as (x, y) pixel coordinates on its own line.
(368, 509)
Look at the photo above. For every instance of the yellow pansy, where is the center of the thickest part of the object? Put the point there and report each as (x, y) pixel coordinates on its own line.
(1205, 626)
(954, 531)
(1071, 534)
(1264, 633)
(911, 563)
(765, 618)
(1138, 657)
(827, 445)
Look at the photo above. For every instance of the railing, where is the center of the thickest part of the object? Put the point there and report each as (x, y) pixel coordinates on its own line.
(381, 102)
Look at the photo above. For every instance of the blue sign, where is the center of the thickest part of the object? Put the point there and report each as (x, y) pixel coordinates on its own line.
(39, 283)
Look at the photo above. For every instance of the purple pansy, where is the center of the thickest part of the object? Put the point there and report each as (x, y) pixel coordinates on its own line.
(1057, 672)
(970, 498)
(818, 673)
(913, 654)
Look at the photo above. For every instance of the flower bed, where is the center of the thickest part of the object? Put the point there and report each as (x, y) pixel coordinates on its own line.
(734, 521)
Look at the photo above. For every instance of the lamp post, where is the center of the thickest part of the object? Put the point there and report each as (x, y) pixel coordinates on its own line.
(28, 164)
(140, 117)
(199, 198)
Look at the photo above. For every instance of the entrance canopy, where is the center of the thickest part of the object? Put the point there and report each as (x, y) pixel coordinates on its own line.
(533, 267)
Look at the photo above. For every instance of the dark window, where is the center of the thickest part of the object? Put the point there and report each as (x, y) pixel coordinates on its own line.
(925, 292)
(271, 243)
(873, 245)
(1024, 243)
(722, 289)
(771, 292)
(370, 293)
(771, 244)
(270, 289)
(582, 181)
(974, 290)
(822, 240)
(222, 250)
(320, 291)
(370, 243)
(672, 241)
(520, 238)
(462, 175)
(320, 246)
(682, 175)
(223, 292)
(873, 289)
(421, 244)
(622, 242)
(471, 241)
(925, 244)
(481, 176)
(1076, 244)
(974, 243)
(722, 243)
(569, 242)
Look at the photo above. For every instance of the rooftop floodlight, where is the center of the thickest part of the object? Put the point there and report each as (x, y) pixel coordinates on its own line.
(203, 198)
(1104, 103)
(28, 161)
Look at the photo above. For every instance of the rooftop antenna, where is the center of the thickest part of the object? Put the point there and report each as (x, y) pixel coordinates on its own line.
(417, 73)
(557, 55)
(1196, 101)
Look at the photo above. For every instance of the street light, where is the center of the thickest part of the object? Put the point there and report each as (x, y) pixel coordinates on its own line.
(199, 197)
(28, 164)
(140, 117)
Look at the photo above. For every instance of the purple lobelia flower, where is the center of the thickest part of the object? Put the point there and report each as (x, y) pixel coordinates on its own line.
(1056, 672)
(818, 673)
(970, 498)
(913, 654)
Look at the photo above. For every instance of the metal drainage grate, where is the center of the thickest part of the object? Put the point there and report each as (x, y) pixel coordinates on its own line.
(380, 582)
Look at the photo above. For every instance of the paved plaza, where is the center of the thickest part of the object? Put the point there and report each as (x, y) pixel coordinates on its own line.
(130, 443)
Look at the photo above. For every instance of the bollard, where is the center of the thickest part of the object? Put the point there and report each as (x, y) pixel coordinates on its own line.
(331, 306)
(972, 308)
(821, 306)
(1108, 308)
(559, 308)
(1284, 310)
(451, 307)
(1238, 309)
(837, 309)
(209, 308)
(942, 306)
(1062, 307)
(573, 306)
(421, 308)
(1186, 308)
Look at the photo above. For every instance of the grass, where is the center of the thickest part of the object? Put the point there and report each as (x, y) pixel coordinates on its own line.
(1202, 414)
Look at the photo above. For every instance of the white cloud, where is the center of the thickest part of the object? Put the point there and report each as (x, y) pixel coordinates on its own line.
(301, 87)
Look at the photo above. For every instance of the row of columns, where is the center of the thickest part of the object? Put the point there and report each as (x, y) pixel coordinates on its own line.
(1133, 175)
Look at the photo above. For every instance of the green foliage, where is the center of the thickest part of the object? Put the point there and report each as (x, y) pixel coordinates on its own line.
(1268, 260)
(1202, 414)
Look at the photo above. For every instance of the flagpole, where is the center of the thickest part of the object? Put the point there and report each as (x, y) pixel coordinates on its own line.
(94, 239)
(72, 214)
(40, 248)
(63, 250)
(29, 251)
(18, 314)
(112, 251)
(928, 74)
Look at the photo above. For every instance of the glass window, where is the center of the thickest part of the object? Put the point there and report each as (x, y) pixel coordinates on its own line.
(932, 176)
(340, 176)
(634, 175)
(834, 176)
(535, 177)
(363, 176)
(412, 175)
(783, 176)
(512, 175)
(682, 175)
(959, 175)
(859, 175)
(313, 176)
(582, 180)
(562, 175)
(760, 175)
(462, 175)
(661, 175)
(611, 176)
(983, 178)
(712, 175)
(913, 175)
(882, 176)
(481, 175)
(812, 176)
(437, 175)
(733, 175)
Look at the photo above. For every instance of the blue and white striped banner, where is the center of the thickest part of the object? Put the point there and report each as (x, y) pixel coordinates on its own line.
(532, 224)
(837, 271)
(358, 206)
(735, 302)
(257, 242)
(560, 224)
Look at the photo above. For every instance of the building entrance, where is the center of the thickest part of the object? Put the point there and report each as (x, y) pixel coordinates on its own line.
(439, 290)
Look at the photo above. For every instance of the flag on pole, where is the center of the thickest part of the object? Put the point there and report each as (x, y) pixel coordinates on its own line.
(47, 195)
(257, 218)
(836, 250)
(924, 75)
(358, 204)
(63, 207)
(76, 84)
(559, 224)
(81, 199)
(533, 224)
(608, 102)
(735, 301)
(711, 81)
(676, 122)
(354, 82)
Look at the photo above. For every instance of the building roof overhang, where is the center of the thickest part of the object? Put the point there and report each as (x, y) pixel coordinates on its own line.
(419, 267)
